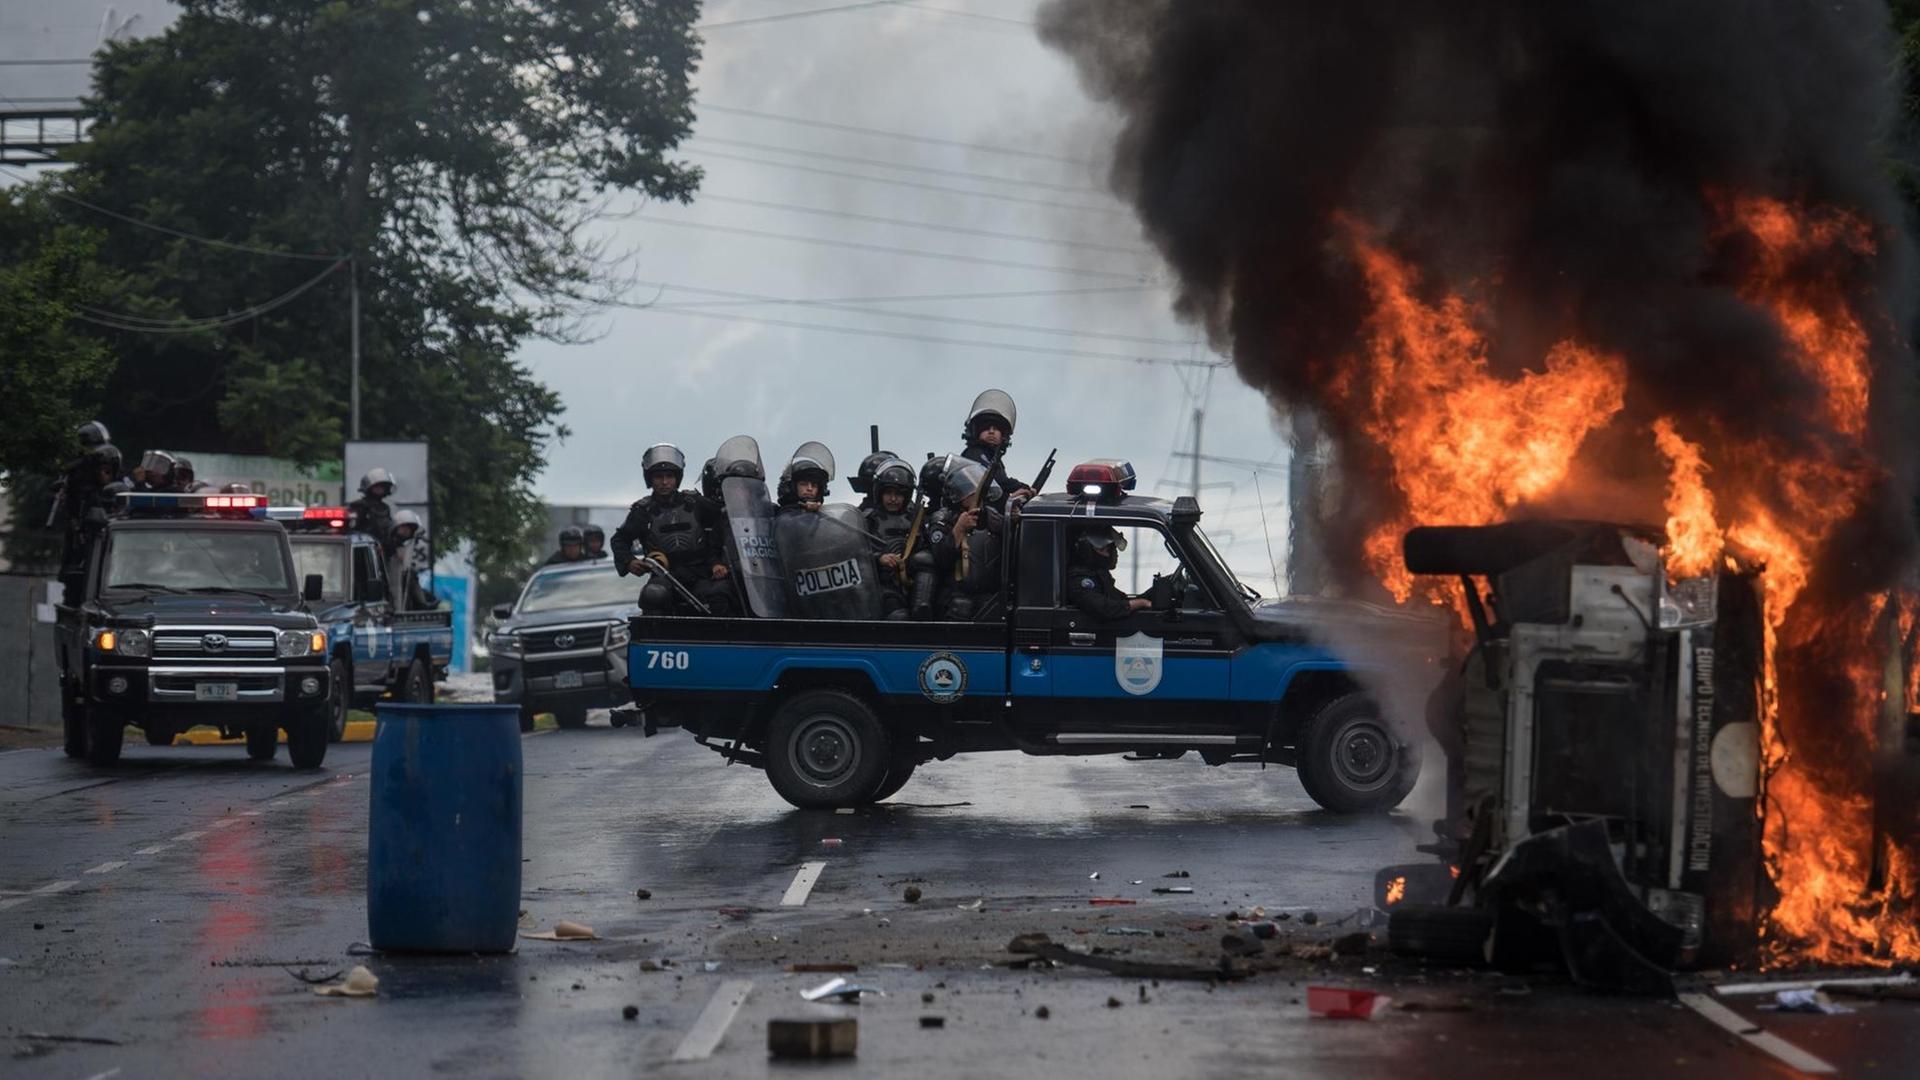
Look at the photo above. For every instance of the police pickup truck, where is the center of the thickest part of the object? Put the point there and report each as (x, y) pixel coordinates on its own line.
(840, 713)
(191, 614)
(376, 649)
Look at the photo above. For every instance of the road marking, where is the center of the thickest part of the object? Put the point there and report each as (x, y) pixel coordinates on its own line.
(48, 889)
(711, 1026)
(108, 867)
(186, 836)
(249, 813)
(108, 1075)
(1764, 1041)
(154, 849)
(802, 884)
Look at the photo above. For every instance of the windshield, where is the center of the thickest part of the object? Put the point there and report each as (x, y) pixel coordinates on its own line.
(197, 559)
(328, 558)
(1209, 553)
(556, 591)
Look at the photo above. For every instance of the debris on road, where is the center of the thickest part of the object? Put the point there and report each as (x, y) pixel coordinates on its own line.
(737, 914)
(1110, 901)
(1235, 945)
(313, 980)
(1178, 873)
(975, 906)
(813, 1039)
(1175, 890)
(630, 1012)
(847, 992)
(1807, 1001)
(911, 895)
(563, 931)
(1336, 1003)
(933, 1021)
(1042, 947)
(360, 983)
(1113, 1002)
(1265, 930)
(821, 969)
(1043, 1012)
(831, 841)
(88, 1040)
(1309, 918)
(1128, 931)
(643, 894)
(1349, 944)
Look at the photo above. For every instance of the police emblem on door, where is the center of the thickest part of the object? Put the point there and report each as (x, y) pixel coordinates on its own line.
(1136, 663)
(943, 678)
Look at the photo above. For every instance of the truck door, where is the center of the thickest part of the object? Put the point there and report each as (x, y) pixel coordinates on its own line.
(1036, 592)
(372, 618)
(1155, 668)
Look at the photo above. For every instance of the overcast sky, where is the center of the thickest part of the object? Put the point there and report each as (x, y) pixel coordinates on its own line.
(947, 72)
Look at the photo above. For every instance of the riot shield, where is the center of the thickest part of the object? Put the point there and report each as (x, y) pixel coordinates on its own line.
(751, 549)
(829, 560)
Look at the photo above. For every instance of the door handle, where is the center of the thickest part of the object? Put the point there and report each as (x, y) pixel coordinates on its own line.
(1080, 637)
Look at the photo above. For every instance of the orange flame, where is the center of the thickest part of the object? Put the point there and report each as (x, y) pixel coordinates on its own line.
(1694, 542)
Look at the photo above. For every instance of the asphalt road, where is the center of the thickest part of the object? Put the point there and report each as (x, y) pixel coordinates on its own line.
(155, 920)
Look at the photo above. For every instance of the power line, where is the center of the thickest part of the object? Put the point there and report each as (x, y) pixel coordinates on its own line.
(851, 245)
(141, 324)
(880, 163)
(209, 241)
(828, 125)
(971, 15)
(46, 63)
(784, 16)
(1157, 361)
(830, 305)
(961, 230)
(795, 166)
(1021, 294)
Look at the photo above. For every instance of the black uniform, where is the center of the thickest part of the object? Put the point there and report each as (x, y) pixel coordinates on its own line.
(947, 586)
(82, 493)
(372, 516)
(982, 453)
(1091, 589)
(559, 557)
(889, 537)
(689, 530)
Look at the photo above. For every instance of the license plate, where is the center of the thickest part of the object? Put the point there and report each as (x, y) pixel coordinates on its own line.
(566, 680)
(216, 691)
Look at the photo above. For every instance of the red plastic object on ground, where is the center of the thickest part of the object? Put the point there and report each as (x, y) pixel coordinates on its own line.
(1110, 901)
(1334, 1003)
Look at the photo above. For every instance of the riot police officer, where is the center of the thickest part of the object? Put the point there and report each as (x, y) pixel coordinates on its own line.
(371, 514)
(889, 518)
(155, 472)
(86, 497)
(989, 435)
(573, 547)
(680, 530)
(403, 577)
(956, 574)
(803, 483)
(184, 478)
(596, 542)
(1090, 566)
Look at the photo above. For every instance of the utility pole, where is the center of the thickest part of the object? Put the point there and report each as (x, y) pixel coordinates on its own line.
(1199, 417)
(353, 307)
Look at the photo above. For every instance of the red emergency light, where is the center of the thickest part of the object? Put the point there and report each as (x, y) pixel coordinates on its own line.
(335, 516)
(234, 502)
(1104, 480)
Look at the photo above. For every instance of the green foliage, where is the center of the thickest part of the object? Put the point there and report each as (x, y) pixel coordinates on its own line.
(50, 374)
(457, 150)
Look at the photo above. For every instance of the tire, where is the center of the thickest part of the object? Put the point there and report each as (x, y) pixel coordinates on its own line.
(572, 718)
(417, 686)
(73, 724)
(307, 737)
(898, 773)
(526, 720)
(1352, 762)
(263, 741)
(158, 734)
(826, 749)
(340, 699)
(106, 731)
(1455, 935)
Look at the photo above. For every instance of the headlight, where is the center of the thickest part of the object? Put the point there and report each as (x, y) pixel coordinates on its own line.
(504, 644)
(123, 642)
(619, 635)
(300, 643)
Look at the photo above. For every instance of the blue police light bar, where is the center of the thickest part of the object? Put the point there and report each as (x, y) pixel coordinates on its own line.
(196, 502)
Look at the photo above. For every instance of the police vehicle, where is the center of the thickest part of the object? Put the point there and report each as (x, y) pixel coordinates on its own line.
(842, 711)
(193, 613)
(562, 646)
(375, 650)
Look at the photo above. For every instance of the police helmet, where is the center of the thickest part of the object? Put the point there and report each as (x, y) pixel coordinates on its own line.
(1099, 544)
(993, 408)
(374, 478)
(710, 479)
(406, 519)
(893, 473)
(183, 472)
(963, 480)
(663, 457)
(813, 461)
(235, 488)
(157, 464)
(572, 534)
(91, 434)
(870, 466)
(106, 456)
(933, 476)
(592, 531)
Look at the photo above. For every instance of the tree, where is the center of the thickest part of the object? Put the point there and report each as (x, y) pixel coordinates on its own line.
(449, 154)
(50, 372)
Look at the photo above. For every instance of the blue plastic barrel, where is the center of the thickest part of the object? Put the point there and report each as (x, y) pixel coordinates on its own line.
(443, 829)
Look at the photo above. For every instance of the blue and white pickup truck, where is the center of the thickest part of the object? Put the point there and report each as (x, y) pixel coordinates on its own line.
(841, 712)
(376, 650)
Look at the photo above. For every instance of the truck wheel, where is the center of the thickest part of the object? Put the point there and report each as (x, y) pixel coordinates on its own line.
(526, 720)
(158, 733)
(106, 730)
(898, 773)
(418, 687)
(570, 718)
(263, 741)
(73, 724)
(826, 748)
(341, 699)
(307, 738)
(1453, 934)
(1352, 762)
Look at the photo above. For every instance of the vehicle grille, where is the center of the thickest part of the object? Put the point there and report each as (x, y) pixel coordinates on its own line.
(208, 643)
(564, 638)
(546, 669)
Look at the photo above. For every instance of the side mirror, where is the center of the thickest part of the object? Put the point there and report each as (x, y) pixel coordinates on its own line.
(313, 587)
(503, 612)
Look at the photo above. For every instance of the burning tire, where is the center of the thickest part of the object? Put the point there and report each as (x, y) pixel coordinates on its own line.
(1352, 761)
(826, 748)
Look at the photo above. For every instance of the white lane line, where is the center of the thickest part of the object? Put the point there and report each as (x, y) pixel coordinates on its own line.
(802, 884)
(278, 803)
(707, 1031)
(154, 849)
(48, 889)
(1764, 1041)
(108, 867)
(108, 1075)
(186, 836)
(249, 813)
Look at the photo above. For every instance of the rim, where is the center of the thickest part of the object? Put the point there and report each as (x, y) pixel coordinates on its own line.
(824, 749)
(1364, 754)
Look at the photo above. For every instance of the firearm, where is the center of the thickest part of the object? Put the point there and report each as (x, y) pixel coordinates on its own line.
(1046, 471)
